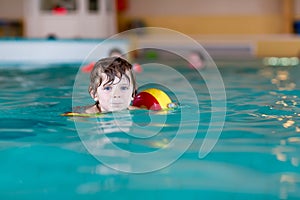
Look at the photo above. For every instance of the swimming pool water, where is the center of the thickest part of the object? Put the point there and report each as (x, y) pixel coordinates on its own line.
(256, 157)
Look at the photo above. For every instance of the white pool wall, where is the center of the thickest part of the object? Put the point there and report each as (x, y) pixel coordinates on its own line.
(42, 51)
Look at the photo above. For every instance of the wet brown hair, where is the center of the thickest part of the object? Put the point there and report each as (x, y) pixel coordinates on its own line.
(112, 67)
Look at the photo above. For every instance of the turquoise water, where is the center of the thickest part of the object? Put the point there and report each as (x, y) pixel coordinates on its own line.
(45, 156)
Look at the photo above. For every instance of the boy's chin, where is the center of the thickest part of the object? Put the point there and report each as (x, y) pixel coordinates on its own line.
(115, 109)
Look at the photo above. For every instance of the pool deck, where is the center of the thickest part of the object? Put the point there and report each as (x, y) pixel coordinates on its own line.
(262, 45)
(42, 51)
(235, 45)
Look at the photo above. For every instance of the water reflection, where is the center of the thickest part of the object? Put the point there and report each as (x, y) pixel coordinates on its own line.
(282, 80)
(288, 185)
(285, 109)
(286, 105)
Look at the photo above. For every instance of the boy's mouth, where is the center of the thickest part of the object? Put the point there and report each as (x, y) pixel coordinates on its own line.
(117, 104)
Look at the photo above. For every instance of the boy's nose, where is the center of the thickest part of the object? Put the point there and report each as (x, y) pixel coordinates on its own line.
(116, 96)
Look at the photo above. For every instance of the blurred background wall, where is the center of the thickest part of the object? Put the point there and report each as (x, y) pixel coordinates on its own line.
(269, 23)
(11, 9)
(196, 16)
(214, 16)
(208, 16)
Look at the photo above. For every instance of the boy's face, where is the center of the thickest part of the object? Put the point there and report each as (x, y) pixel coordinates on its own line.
(116, 96)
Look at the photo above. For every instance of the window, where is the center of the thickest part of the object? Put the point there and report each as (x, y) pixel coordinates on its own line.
(93, 5)
(58, 5)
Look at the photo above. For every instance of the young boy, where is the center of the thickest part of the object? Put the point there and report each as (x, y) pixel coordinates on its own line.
(112, 85)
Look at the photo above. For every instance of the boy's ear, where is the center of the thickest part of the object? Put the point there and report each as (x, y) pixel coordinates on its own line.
(134, 92)
(94, 95)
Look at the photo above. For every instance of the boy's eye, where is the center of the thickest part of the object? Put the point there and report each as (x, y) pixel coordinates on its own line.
(124, 87)
(107, 88)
